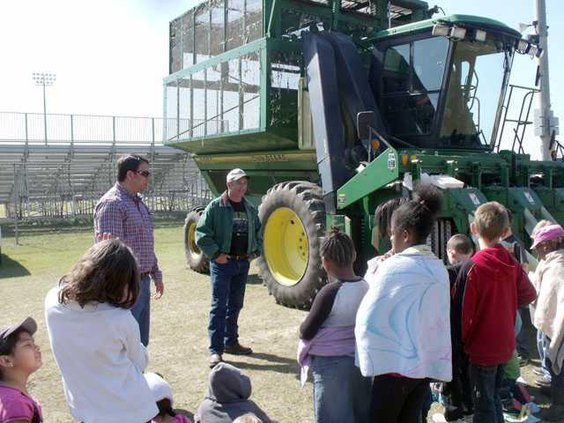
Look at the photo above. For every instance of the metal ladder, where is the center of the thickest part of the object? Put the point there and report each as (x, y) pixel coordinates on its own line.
(522, 121)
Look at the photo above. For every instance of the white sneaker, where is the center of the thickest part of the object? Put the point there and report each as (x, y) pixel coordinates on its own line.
(438, 418)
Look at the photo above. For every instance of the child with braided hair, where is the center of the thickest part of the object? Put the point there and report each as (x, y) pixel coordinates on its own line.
(327, 341)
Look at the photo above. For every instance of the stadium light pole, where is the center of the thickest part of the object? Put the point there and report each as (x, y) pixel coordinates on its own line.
(44, 79)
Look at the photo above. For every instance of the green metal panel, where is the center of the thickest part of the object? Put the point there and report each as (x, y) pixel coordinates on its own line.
(266, 161)
(520, 200)
(553, 200)
(264, 168)
(380, 172)
(459, 203)
(240, 141)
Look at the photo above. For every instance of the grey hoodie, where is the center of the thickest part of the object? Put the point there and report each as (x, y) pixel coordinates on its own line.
(228, 397)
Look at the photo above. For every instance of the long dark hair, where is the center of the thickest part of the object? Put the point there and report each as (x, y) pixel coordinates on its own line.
(106, 273)
(418, 214)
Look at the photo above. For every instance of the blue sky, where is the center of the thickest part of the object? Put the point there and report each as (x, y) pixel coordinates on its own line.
(110, 56)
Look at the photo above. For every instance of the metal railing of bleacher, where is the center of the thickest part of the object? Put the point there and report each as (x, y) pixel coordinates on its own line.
(57, 166)
(80, 129)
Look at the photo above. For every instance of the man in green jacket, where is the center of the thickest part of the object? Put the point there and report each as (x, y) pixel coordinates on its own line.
(229, 234)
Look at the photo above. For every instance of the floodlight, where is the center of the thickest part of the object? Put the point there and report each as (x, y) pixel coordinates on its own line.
(440, 30)
(458, 32)
(44, 79)
(523, 46)
(480, 35)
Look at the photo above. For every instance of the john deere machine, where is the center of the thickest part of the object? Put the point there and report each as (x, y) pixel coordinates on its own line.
(335, 106)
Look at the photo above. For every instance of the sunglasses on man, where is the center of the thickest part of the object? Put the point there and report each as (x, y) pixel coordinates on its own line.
(144, 173)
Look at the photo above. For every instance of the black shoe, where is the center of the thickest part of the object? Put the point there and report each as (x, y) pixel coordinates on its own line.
(555, 413)
(237, 349)
(545, 390)
(215, 359)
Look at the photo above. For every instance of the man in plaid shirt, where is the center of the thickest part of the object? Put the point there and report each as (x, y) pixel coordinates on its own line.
(121, 213)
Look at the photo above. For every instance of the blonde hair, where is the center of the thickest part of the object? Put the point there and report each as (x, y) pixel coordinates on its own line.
(491, 220)
(247, 418)
(539, 225)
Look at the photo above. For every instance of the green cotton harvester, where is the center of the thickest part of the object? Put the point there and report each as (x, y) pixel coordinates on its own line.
(333, 107)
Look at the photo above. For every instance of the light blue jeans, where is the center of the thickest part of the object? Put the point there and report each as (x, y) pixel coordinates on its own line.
(341, 393)
(542, 346)
(142, 309)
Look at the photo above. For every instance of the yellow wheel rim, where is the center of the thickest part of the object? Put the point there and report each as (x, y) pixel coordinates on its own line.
(286, 246)
(191, 238)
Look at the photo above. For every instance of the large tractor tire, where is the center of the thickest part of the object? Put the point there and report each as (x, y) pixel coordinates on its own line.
(194, 256)
(293, 224)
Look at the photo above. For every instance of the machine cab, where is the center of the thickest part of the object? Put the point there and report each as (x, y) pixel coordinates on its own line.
(441, 83)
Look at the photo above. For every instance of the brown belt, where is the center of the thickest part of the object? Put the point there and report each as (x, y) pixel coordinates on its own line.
(242, 257)
(144, 275)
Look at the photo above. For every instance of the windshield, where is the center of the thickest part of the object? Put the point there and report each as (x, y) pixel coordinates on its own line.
(412, 79)
(478, 77)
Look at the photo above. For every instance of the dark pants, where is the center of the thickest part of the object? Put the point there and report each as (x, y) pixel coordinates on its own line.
(521, 337)
(457, 393)
(142, 309)
(228, 292)
(427, 404)
(556, 380)
(486, 382)
(397, 399)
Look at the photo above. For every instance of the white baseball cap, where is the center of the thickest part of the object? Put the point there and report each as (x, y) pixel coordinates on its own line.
(236, 174)
(159, 387)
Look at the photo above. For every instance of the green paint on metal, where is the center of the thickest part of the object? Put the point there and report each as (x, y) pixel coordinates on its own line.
(461, 20)
(380, 172)
(271, 151)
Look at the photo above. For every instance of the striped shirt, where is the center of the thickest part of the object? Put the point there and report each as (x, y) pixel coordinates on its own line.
(125, 216)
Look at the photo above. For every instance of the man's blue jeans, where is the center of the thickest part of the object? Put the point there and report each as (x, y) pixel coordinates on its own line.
(142, 309)
(341, 393)
(228, 292)
(486, 382)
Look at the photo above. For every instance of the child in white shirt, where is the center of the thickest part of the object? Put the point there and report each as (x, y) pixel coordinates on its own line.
(96, 340)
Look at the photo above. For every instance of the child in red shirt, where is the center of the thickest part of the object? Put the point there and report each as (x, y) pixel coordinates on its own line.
(488, 290)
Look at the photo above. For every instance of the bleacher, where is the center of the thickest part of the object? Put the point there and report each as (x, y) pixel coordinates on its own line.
(59, 170)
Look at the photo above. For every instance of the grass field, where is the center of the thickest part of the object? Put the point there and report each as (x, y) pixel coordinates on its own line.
(178, 347)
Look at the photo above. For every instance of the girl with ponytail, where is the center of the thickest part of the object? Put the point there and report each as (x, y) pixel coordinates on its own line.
(403, 324)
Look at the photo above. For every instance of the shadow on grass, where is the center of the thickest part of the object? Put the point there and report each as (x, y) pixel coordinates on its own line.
(254, 280)
(12, 269)
(274, 363)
